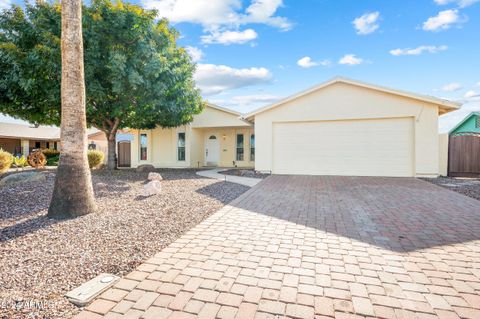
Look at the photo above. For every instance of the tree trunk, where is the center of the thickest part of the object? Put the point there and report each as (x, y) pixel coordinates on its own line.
(110, 128)
(112, 150)
(73, 191)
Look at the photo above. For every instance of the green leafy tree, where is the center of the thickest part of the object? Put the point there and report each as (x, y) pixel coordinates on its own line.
(136, 76)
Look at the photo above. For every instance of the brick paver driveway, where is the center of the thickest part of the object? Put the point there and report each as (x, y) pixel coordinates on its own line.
(305, 247)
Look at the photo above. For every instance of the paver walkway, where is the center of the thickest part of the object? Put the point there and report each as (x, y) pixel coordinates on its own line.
(316, 247)
(215, 174)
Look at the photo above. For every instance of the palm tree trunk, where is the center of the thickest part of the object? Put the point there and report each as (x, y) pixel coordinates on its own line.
(73, 191)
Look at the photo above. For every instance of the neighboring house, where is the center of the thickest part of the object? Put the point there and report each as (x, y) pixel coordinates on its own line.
(463, 146)
(216, 137)
(21, 139)
(470, 124)
(98, 141)
(347, 127)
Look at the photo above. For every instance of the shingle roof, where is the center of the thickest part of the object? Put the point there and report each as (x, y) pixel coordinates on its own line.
(31, 132)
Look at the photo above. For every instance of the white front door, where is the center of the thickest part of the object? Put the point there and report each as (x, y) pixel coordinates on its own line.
(212, 151)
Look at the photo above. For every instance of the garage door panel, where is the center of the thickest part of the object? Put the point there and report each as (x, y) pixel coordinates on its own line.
(358, 147)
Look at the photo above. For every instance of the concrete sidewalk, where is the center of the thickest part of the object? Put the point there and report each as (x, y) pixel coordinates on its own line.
(214, 173)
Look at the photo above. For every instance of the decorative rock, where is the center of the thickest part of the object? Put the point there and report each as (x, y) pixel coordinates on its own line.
(152, 188)
(23, 177)
(152, 176)
(145, 168)
(82, 295)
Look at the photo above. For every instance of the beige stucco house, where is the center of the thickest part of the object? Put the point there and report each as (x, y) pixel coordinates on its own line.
(216, 137)
(340, 127)
(347, 127)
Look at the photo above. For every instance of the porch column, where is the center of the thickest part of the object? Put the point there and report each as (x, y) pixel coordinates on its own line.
(25, 147)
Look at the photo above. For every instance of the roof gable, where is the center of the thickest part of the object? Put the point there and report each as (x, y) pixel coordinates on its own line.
(444, 105)
(216, 116)
(459, 126)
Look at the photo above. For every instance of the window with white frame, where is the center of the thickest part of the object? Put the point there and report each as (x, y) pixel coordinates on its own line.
(181, 147)
(143, 147)
(240, 147)
(252, 147)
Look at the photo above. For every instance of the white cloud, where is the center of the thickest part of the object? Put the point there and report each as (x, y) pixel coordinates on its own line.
(229, 37)
(246, 100)
(367, 23)
(263, 11)
(452, 87)
(471, 94)
(460, 3)
(350, 59)
(195, 53)
(5, 4)
(307, 62)
(205, 12)
(419, 50)
(220, 14)
(246, 103)
(443, 21)
(213, 79)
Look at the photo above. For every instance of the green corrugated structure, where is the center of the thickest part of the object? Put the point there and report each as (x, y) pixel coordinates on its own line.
(470, 124)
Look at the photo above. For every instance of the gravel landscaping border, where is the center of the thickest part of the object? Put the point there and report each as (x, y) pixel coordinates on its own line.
(466, 186)
(42, 258)
(244, 173)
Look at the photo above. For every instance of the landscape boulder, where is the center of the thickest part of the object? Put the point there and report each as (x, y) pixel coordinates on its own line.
(152, 188)
(153, 176)
(145, 168)
(23, 177)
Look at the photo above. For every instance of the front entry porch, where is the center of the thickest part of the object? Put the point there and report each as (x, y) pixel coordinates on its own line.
(224, 147)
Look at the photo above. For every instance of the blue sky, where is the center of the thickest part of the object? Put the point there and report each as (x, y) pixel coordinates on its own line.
(251, 53)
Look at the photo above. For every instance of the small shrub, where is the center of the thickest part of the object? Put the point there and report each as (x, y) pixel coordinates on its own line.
(53, 161)
(37, 159)
(20, 161)
(49, 153)
(6, 160)
(95, 158)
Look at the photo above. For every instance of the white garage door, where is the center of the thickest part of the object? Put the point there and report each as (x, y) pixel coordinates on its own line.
(382, 147)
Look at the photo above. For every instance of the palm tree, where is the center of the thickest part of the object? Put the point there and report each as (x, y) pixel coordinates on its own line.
(73, 191)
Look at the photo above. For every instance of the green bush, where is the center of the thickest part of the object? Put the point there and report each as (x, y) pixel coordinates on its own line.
(6, 160)
(20, 161)
(49, 153)
(53, 161)
(95, 158)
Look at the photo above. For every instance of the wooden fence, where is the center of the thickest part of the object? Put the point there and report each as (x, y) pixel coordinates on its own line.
(464, 155)
(124, 159)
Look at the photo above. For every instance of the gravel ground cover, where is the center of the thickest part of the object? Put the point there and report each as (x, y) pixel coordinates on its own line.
(41, 259)
(465, 186)
(245, 173)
